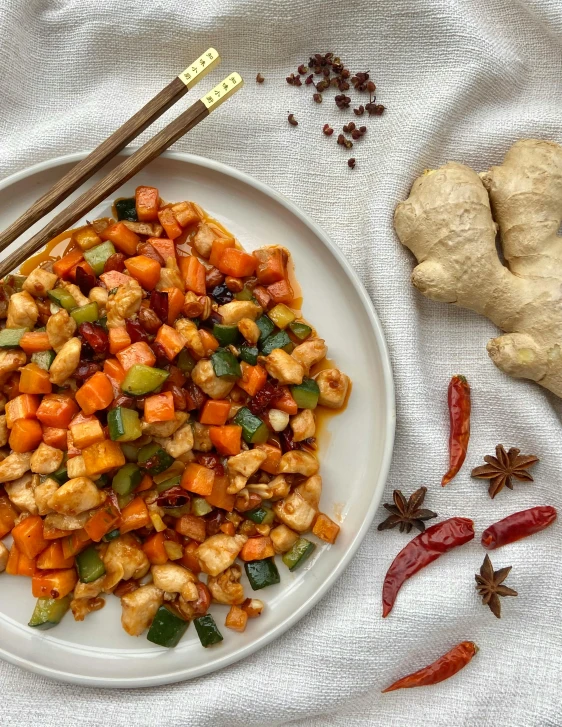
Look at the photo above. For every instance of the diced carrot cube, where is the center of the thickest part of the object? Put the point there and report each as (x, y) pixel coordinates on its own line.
(19, 564)
(52, 533)
(113, 369)
(170, 340)
(26, 435)
(253, 378)
(55, 437)
(219, 496)
(146, 203)
(103, 520)
(118, 339)
(63, 266)
(34, 380)
(8, 515)
(52, 557)
(226, 439)
(136, 353)
(281, 292)
(54, 584)
(271, 265)
(35, 341)
(325, 528)
(24, 406)
(175, 304)
(134, 516)
(159, 408)
(57, 410)
(210, 343)
(215, 411)
(236, 619)
(96, 394)
(75, 543)
(145, 270)
(191, 526)
(169, 223)
(257, 549)
(103, 457)
(147, 483)
(236, 263)
(286, 402)
(198, 479)
(271, 463)
(164, 247)
(185, 213)
(189, 559)
(123, 238)
(219, 246)
(86, 431)
(154, 549)
(28, 536)
(86, 237)
(193, 272)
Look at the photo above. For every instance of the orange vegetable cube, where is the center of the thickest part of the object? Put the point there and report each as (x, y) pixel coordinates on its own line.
(24, 406)
(146, 203)
(154, 549)
(281, 292)
(210, 343)
(164, 247)
(147, 483)
(170, 340)
(236, 263)
(57, 410)
(236, 619)
(86, 430)
(75, 543)
(286, 402)
(271, 265)
(215, 411)
(34, 341)
(103, 520)
(28, 536)
(54, 584)
(96, 394)
(226, 439)
(169, 223)
(8, 515)
(257, 549)
(113, 279)
(193, 272)
(189, 559)
(134, 516)
(159, 407)
(253, 378)
(191, 526)
(136, 353)
(198, 479)
(19, 564)
(175, 304)
(325, 528)
(145, 270)
(103, 457)
(86, 237)
(113, 369)
(34, 380)
(271, 464)
(219, 246)
(123, 238)
(185, 213)
(219, 496)
(118, 339)
(52, 557)
(52, 533)
(26, 435)
(55, 437)
(63, 267)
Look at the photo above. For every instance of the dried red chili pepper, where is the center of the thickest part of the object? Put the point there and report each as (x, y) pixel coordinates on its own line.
(160, 353)
(459, 414)
(136, 331)
(213, 522)
(421, 551)
(159, 304)
(517, 526)
(115, 262)
(194, 397)
(95, 337)
(259, 403)
(443, 668)
(212, 461)
(173, 497)
(85, 370)
(85, 280)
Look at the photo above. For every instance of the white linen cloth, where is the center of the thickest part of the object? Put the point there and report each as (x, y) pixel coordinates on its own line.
(462, 80)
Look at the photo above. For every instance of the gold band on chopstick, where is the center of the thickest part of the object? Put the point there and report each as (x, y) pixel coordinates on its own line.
(222, 91)
(199, 68)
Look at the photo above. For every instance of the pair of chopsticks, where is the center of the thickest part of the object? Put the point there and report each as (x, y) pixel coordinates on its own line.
(112, 146)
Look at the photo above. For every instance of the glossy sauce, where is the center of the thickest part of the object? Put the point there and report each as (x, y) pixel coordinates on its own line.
(53, 250)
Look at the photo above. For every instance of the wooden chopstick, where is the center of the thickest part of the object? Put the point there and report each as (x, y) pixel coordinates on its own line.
(140, 121)
(124, 171)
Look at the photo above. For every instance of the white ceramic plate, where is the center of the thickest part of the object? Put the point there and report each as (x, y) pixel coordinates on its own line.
(355, 449)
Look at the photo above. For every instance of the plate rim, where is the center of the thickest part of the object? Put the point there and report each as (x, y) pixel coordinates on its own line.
(389, 394)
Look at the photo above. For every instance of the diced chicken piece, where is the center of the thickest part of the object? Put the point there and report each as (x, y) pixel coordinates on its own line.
(203, 240)
(76, 467)
(89, 590)
(76, 496)
(66, 522)
(15, 465)
(39, 282)
(253, 607)
(181, 442)
(226, 587)
(283, 367)
(283, 538)
(310, 353)
(60, 329)
(81, 607)
(261, 489)
(170, 276)
(235, 311)
(204, 376)
(124, 304)
(298, 510)
(46, 459)
(201, 438)
(219, 552)
(333, 387)
(299, 462)
(42, 494)
(124, 559)
(248, 462)
(164, 429)
(20, 492)
(278, 419)
(4, 554)
(279, 487)
(100, 296)
(66, 362)
(303, 425)
(173, 578)
(249, 329)
(4, 434)
(10, 361)
(22, 311)
(190, 334)
(139, 608)
(150, 229)
(75, 292)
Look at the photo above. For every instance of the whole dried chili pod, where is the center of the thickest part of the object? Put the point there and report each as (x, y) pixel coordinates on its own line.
(459, 414)
(443, 668)
(517, 526)
(421, 551)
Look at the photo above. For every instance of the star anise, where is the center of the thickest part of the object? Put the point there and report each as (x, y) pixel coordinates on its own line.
(505, 465)
(488, 585)
(407, 513)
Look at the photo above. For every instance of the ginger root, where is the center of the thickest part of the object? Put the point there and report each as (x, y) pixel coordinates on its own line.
(450, 222)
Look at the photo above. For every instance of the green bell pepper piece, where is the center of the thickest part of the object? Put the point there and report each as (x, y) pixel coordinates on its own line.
(11, 337)
(48, 612)
(141, 380)
(296, 556)
(260, 515)
(262, 573)
(200, 507)
(85, 314)
(207, 630)
(300, 330)
(281, 315)
(63, 298)
(277, 340)
(170, 482)
(167, 628)
(89, 564)
(226, 334)
(43, 359)
(185, 361)
(97, 256)
(111, 535)
(266, 326)
(126, 479)
(225, 365)
(124, 424)
(153, 459)
(249, 354)
(306, 394)
(126, 209)
(254, 431)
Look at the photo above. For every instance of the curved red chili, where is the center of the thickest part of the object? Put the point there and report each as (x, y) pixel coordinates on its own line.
(443, 668)
(517, 526)
(459, 414)
(421, 551)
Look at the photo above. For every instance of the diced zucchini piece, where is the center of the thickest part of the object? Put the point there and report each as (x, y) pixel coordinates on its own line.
(43, 359)
(244, 294)
(101, 481)
(225, 365)
(266, 326)
(226, 334)
(249, 354)
(141, 380)
(254, 430)
(48, 612)
(61, 475)
(296, 556)
(103, 323)
(131, 451)
(126, 209)
(124, 500)
(153, 459)
(207, 630)
(108, 537)
(167, 628)
(89, 564)
(277, 340)
(85, 314)
(185, 361)
(300, 330)
(306, 394)
(126, 479)
(200, 507)
(11, 337)
(124, 424)
(281, 315)
(260, 515)
(97, 256)
(62, 297)
(170, 482)
(262, 573)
